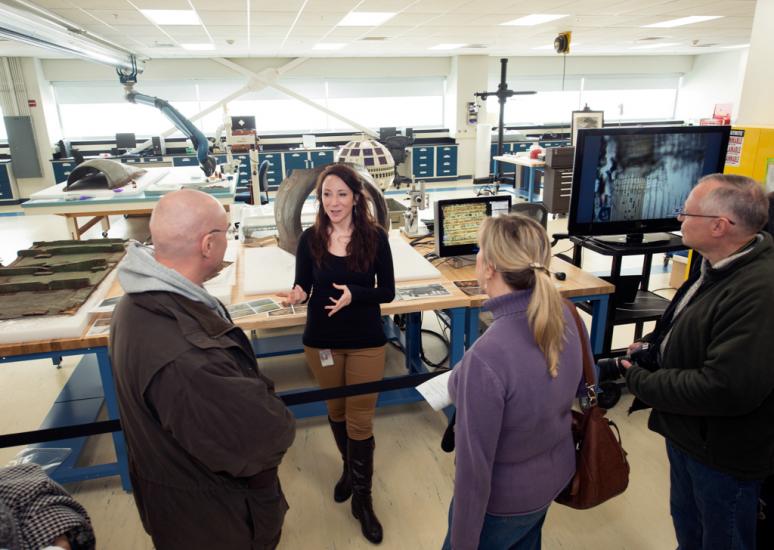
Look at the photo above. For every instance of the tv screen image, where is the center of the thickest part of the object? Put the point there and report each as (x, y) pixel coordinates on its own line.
(635, 180)
(457, 222)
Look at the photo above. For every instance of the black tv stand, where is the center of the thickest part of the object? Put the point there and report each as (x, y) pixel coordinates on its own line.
(636, 239)
(646, 305)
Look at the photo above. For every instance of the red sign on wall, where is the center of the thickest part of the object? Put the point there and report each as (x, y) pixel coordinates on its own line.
(32, 103)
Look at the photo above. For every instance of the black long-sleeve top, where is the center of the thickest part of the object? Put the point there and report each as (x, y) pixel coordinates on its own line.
(358, 325)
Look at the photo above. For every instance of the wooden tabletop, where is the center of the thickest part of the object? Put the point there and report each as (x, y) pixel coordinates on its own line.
(577, 283)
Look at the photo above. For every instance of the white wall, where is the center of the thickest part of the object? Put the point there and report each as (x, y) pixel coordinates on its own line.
(714, 78)
(756, 106)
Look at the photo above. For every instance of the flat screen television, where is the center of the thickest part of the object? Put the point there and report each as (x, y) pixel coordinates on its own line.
(629, 183)
(457, 222)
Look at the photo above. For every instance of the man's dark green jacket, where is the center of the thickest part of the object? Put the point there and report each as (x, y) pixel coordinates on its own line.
(713, 396)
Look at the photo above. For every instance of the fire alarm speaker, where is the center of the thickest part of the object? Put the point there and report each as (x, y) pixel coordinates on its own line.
(562, 42)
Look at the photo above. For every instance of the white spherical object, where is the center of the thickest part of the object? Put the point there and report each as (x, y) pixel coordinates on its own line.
(374, 157)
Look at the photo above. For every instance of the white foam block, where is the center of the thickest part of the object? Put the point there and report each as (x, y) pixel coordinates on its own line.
(409, 264)
(267, 270)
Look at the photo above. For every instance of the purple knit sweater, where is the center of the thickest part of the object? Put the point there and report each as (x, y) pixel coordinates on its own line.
(514, 447)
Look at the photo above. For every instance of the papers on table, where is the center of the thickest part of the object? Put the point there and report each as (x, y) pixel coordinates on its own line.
(245, 309)
(420, 291)
(435, 391)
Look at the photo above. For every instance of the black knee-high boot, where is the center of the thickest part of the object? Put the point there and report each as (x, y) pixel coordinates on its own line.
(343, 489)
(361, 469)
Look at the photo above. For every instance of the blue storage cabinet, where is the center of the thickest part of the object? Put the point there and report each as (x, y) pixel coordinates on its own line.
(446, 161)
(321, 158)
(6, 190)
(62, 169)
(275, 174)
(295, 160)
(423, 162)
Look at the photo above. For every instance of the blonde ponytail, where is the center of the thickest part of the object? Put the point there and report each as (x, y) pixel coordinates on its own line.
(519, 248)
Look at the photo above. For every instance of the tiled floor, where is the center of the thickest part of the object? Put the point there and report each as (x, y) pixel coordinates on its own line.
(413, 479)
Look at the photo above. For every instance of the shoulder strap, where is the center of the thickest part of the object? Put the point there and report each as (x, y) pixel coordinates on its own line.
(588, 361)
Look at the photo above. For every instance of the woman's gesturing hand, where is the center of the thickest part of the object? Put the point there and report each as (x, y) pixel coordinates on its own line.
(344, 300)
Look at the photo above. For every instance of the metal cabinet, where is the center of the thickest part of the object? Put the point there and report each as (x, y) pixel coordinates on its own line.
(62, 169)
(6, 189)
(423, 162)
(275, 173)
(295, 160)
(446, 161)
(321, 158)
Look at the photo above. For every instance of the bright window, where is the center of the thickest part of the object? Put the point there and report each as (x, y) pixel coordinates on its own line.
(97, 110)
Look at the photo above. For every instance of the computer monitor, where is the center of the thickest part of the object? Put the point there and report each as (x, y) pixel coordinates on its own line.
(457, 222)
(243, 123)
(629, 182)
(126, 141)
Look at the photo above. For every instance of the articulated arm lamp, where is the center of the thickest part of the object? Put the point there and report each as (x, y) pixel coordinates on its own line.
(206, 162)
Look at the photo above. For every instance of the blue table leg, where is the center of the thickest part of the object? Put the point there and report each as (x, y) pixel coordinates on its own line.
(471, 326)
(414, 343)
(530, 183)
(458, 317)
(108, 386)
(599, 322)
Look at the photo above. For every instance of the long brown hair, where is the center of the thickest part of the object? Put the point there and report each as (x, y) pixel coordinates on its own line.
(519, 249)
(363, 244)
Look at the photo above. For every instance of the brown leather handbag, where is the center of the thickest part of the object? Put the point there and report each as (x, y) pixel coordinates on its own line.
(601, 468)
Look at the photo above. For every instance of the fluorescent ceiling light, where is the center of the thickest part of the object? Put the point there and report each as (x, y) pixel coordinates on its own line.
(683, 21)
(172, 17)
(654, 46)
(365, 18)
(534, 19)
(446, 46)
(328, 46)
(198, 47)
(736, 47)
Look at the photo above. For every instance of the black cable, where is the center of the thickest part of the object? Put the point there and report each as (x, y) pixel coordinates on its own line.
(427, 361)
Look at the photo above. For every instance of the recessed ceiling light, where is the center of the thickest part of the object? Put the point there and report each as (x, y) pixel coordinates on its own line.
(654, 46)
(736, 47)
(198, 47)
(682, 21)
(446, 46)
(365, 18)
(534, 19)
(328, 46)
(172, 17)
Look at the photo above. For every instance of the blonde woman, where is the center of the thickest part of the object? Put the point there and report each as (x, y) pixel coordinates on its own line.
(513, 391)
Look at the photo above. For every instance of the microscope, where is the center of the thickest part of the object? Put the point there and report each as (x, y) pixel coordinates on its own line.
(418, 199)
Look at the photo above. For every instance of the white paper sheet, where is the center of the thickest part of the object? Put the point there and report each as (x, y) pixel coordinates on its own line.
(435, 391)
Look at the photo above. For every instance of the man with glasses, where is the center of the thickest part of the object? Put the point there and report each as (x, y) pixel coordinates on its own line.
(713, 391)
(205, 431)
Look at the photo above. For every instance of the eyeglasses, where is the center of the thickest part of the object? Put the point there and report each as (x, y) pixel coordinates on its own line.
(227, 230)
(683, 214)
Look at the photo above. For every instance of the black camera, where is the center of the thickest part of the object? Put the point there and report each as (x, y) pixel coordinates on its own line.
(611, 368)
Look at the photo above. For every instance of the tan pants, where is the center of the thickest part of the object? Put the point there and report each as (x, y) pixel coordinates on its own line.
(350, 366)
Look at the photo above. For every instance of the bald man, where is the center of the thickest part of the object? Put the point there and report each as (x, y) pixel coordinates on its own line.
(204, 429)
(713, 395)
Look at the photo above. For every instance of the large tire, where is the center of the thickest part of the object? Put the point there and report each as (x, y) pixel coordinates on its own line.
(293, 192)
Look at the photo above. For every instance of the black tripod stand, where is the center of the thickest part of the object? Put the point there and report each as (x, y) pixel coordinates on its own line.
(502, 94)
